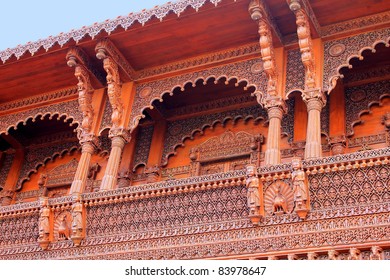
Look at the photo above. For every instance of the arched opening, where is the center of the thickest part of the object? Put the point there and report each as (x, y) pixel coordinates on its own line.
(365, 91)
(187, 117)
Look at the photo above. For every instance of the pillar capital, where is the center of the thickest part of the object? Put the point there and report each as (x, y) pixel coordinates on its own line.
(315, 99)
(119, 133)
(276, 107)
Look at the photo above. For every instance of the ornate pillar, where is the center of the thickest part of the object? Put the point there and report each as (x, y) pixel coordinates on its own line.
(312, 95)
(275, 108)
(88, 147)
(112, 60)
(76, 58)
(272, 100)
(119, 138)
(314, 101)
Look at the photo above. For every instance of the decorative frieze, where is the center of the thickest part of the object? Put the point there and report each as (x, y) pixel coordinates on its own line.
(239, 71)
(367, 140)
(354, 46)
(68, 109)
(144, 140)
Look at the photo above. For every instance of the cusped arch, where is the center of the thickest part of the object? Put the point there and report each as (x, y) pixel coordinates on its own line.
(41, 115)
(193, 83)
(201, 130)
(367, 111)
(332, 81)
(42, 163)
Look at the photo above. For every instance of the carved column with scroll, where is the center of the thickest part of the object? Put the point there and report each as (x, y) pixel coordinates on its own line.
(273, 101)
(312, 95)
(77, 59)
(112, 60)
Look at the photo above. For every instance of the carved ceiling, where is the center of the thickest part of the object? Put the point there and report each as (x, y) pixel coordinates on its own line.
(172, 33)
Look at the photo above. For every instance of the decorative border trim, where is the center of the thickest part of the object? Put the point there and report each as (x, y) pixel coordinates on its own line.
(159, 12)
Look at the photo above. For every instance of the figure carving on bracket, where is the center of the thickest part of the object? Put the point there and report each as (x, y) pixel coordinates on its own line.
(376, 253)
(354, 254)
(333, 255)
(386, 120)
(44, 223)
(253, 193)
(300, 188)
(6, 197)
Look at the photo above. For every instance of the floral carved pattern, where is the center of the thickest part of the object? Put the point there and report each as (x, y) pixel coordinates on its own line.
(295, 76)
(68, 109)
(5, 167)
(18, 231)
(354, 47)
(350, 187)
(106, 120)
(239, 71)
(359, 99)
(144, 140)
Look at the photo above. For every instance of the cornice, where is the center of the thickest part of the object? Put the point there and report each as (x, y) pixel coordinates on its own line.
(38, 100)
(159, 12)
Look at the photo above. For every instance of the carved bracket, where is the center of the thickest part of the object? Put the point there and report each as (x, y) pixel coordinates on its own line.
(78, 220)
(44, 223)
(255, 200)
(300, 188)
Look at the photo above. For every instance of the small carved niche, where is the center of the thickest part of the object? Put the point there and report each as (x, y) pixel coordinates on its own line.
(58, 180)
(63, 226)
(226, 152)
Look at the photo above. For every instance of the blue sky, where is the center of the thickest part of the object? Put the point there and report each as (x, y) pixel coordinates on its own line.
(30, 20)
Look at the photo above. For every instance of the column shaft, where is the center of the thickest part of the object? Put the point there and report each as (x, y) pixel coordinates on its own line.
(80, 178)
(313, 147)
(110, 176)
(272, 154)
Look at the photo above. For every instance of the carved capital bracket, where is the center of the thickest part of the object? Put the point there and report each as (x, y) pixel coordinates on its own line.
(305, 5)
(152, 173)
(337, 144)
(275, 105)
(314, 99)
(78, 219)
(44, 223)
(120, 132)
(259, 13)
(6, 197)
(77, 59)
(89, 142)
(105, 48)
(305, 43)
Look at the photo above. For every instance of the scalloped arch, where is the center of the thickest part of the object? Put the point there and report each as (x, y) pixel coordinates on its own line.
(41, 115)
(367, 111)
(135, 120)
(43, 163)
(333, 79)
(201, 130)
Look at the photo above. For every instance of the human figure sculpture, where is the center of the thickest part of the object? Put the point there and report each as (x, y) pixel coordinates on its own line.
(43, 224)
(333, 255)
(376, 253)
(299, 184)
(280, 203)
(253, 195)
(77, 220)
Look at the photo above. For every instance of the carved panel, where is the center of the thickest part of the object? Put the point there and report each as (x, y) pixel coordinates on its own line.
(288, 120)
(278, 198)
(61, 175)
(167, 213)
(106, 120)
(38, 156)
(69, 109)
(5, 167)
(19, 231)
(360, 98)
(180, 130)
(353, 46)
(350, 187)
(295, 75)
(239, 70)
(62, 226)
(364, 141)
(325, 114)
(144, 140)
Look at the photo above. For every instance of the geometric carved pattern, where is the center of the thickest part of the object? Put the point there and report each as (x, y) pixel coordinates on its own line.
(68, 109)
(288, 119)
(325, 117)
(178, 131)
(241, 71)
(5, 167)
(354, 45)
(144, 140)
(350, 187)
(106, 119)
(359, 99)
(19, 230)
(166, 213)
(295, 73)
